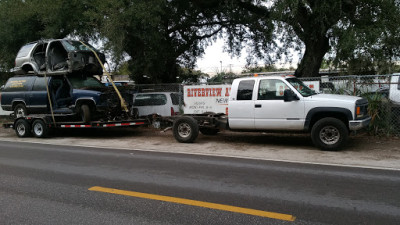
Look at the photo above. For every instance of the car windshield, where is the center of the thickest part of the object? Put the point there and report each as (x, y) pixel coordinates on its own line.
(81, 82)
(76, 46)
(301, 87)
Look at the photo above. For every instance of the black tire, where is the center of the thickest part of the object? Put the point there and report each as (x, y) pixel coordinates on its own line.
(185, 129)
(40, 129)
(85, 113)
(329, 134)
(209, 131)
(20, 110)
(22, 128)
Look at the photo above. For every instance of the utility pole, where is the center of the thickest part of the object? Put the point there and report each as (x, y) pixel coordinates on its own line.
(221, 65)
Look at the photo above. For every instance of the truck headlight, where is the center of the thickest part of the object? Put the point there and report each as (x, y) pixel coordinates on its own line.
(359, 113)
(361, 109)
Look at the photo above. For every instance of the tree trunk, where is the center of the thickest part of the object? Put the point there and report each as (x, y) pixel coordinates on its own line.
(311, 62)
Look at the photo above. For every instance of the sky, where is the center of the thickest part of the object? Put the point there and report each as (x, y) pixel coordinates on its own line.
(210, 63)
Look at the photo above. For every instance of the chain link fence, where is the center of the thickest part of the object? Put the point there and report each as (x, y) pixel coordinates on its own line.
(382, 92)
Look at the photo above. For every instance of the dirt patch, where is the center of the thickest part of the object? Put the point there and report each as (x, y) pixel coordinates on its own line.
(362, 150)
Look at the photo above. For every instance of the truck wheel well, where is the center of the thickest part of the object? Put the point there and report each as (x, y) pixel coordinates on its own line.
(27, 68)
(336, 115)
(90, 103)
(16, 103)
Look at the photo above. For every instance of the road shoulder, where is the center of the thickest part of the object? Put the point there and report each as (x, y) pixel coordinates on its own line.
(361, 151)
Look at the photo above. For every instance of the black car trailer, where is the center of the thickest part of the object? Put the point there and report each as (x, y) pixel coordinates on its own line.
(41, 125)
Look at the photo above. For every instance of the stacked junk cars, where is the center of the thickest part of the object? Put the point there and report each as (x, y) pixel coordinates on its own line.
(56, 87)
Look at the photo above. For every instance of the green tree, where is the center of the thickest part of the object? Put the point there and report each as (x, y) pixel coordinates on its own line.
(369, 41)
(347, 28)
(23, 21)
(188, 75)
(18, 26)
(158, 36)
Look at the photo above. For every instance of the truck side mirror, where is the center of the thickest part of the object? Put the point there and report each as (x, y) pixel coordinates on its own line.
(289, 95)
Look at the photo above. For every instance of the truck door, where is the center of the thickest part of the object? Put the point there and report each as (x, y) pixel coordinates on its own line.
(37, 97)
(241, 105)
(272, 112)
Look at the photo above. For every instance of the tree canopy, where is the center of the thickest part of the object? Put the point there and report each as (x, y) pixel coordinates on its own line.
(157, 38)
(349, 30)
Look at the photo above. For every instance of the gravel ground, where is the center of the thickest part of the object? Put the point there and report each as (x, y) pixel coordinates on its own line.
(361, 150)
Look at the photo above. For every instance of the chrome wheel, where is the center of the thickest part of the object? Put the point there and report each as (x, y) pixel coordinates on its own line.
(329, 135)
(38, 129)
(21, 129)
(184, 130)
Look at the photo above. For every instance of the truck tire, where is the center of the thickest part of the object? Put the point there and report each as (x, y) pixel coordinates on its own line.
(22, 128)
(185, 129)
(20, 110)
(40, 129)
(329, 134)
(85, 113)
(209, 131)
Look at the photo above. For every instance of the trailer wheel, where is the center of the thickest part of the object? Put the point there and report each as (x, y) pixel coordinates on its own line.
(209, 131)
(329, 134)
(40, 129)
(22, 128)
(185, 129)
(85, 113)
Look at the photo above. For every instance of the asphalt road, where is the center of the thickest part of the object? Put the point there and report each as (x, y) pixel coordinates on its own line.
(49, 184)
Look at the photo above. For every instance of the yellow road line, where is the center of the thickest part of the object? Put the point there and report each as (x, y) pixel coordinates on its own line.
(229, 208)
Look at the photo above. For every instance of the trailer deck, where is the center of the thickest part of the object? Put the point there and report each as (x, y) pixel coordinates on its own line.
(40, 125)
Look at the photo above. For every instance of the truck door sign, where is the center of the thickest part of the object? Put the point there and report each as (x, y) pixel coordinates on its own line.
(210, 98)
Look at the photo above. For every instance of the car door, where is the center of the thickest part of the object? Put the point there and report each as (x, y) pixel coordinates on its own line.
(271, 112)
(37, 97)
(56, 58)
(241, 105)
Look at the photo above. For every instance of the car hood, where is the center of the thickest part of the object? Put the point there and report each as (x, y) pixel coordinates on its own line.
(333, 97)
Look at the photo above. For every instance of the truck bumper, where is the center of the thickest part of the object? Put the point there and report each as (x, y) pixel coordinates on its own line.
(359, 124)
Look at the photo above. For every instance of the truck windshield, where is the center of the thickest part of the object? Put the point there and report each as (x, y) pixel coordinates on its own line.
(80, 82)
(301, 87)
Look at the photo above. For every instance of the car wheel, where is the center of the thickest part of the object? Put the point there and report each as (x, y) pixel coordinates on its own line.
(185, 129)
(39, 129)
(22, 128)
(329, 134)
(85, 113)
(20, 110)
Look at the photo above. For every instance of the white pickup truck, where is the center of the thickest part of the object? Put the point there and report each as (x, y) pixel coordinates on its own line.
(281, 103)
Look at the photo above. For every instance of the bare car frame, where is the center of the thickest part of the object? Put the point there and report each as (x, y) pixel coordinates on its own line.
(56, 57)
